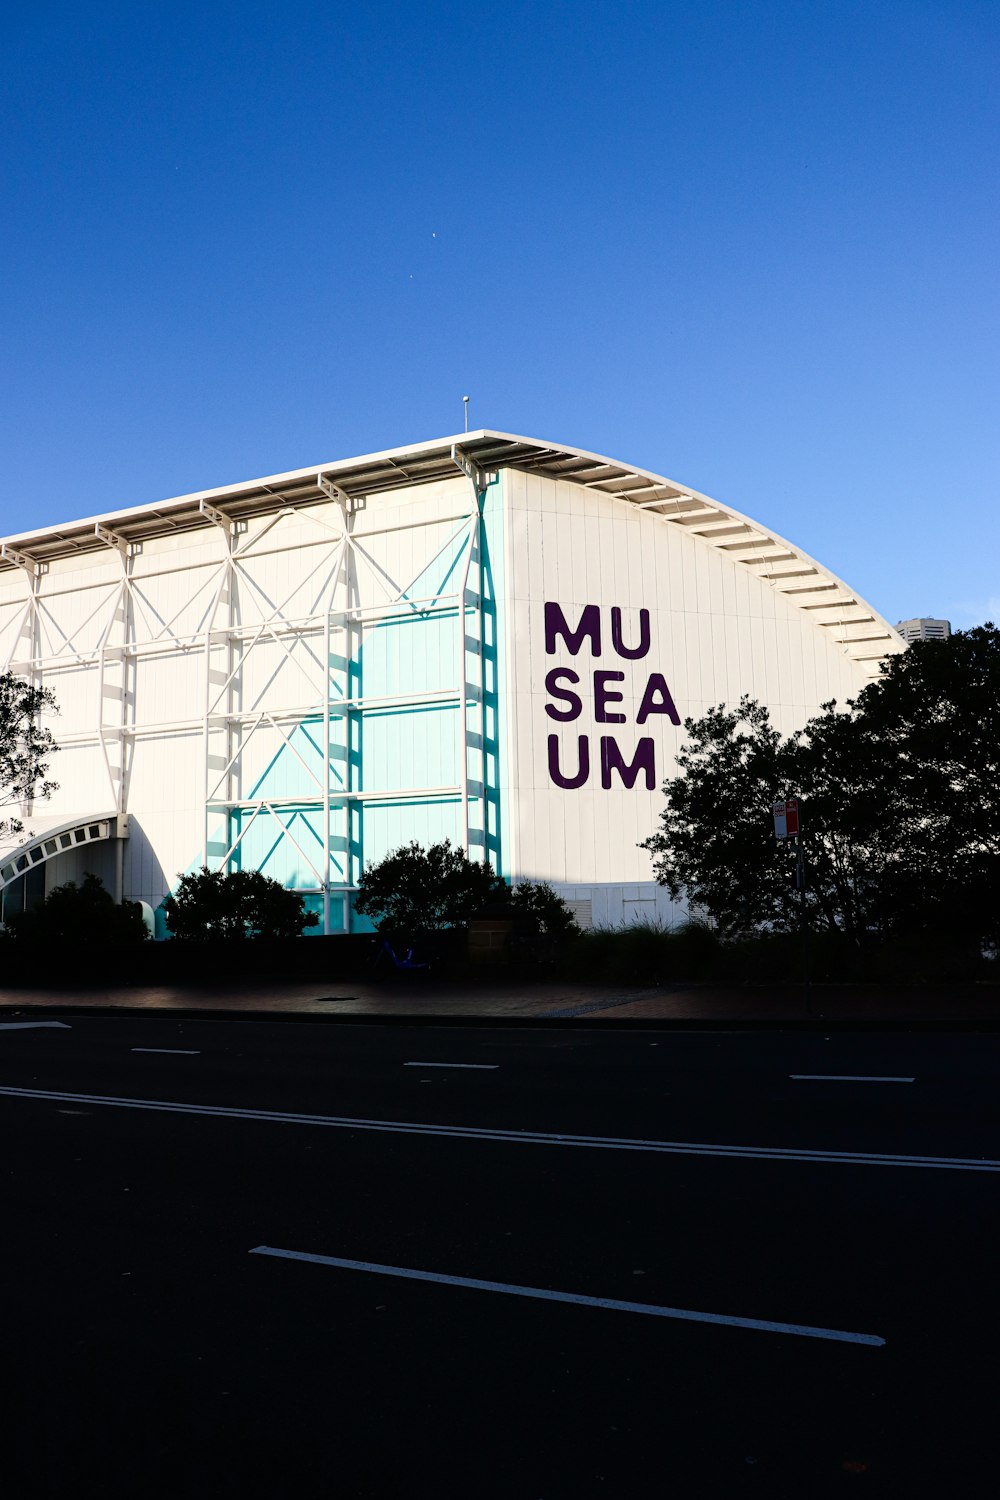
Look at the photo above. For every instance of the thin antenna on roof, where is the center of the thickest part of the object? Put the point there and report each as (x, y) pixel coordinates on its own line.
(466, 401)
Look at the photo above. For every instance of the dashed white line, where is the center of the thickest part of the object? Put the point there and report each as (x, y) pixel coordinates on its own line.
(520, 1137)
(482, 1067)
(849, 1078)
(174, 1051)
(650, 1309)
(33, 1025)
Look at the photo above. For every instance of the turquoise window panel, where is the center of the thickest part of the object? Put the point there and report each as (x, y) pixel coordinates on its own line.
(289, 772)
(266, 846)
(403, 749)
(415, 653)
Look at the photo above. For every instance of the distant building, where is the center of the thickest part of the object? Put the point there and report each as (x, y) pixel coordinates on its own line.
(924, 630)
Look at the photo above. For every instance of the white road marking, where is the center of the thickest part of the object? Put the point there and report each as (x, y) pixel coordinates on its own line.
(849, 1078)
(174, 1051)
(651, 1309)
(33, 1025)
(484, 1067)
(520, 1137)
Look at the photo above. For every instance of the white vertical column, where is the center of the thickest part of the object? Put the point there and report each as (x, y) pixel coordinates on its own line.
(482, 683)
(225, 588)
(326, 762)
(463, 746)
(114, 658)
(351, 594)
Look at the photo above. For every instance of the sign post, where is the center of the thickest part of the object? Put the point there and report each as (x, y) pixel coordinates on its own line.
(787, 827)
(786, 819)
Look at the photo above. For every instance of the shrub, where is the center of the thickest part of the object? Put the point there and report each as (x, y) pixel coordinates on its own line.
(241, 904)
(80, 916)
(646, 953)
(536, 903)
(416, 890)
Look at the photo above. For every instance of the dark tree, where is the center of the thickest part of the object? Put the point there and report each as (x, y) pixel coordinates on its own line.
(80, 916)
(536, 903)
(928, 770)
(901, 804)
(24, 746)
(715, 845)
(242, 904)
(416, 890)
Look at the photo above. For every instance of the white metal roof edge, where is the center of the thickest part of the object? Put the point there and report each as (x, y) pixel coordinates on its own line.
(726, 509)
(478, 438)
(224, 491)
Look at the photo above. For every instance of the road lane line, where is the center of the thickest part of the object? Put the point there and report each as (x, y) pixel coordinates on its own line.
(651, 1309)
(518, 1137)
(850, 1078)
(482, 1067)
(174, 1051)
(33, 1025)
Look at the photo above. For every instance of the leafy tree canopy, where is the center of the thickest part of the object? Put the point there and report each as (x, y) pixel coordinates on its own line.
(535, 902)
(900, 804)
(241, 904)
(24, 746)
(80, 916)
(416, 890)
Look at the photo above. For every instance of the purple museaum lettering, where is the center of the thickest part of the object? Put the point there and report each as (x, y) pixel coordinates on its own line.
(567, 688)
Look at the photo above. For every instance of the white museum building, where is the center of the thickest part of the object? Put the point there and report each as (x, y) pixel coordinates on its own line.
(487, 638)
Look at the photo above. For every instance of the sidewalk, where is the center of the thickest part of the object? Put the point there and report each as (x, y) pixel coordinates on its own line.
(966, 1005)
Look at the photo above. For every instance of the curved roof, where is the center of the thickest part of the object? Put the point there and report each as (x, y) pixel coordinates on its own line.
(831, 605)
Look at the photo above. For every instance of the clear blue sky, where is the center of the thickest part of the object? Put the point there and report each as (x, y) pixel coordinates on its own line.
(752, 246)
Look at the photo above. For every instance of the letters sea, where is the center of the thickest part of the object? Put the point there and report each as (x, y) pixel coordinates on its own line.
(560, 682)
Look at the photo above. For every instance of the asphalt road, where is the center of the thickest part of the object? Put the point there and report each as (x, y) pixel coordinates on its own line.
(649, 1262)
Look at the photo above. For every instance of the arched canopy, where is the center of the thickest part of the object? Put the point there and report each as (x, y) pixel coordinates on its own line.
(48, 837)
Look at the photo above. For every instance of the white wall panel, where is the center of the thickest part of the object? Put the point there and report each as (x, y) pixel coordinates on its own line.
(83, 785)
(717, 632)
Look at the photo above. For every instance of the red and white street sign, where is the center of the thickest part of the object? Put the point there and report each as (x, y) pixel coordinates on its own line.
(786, 819)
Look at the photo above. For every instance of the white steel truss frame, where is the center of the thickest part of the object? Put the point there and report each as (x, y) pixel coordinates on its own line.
(327, 707)
(123, 625)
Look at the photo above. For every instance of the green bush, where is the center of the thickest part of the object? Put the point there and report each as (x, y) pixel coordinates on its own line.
(927, 958)
(414, 891)
(537, 905)
(241, 904)
(645, 953)
(80, 916)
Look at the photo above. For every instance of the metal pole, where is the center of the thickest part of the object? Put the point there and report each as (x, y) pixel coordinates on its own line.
(326, 769)
(465, 400)
(800, 881)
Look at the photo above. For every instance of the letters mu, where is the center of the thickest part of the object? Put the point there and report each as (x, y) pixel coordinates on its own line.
(560, 683)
